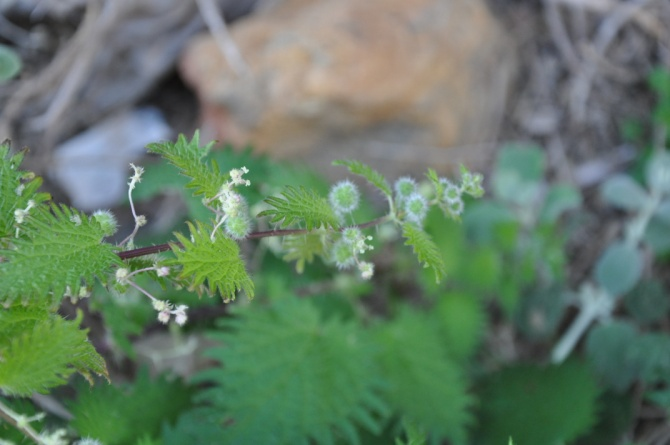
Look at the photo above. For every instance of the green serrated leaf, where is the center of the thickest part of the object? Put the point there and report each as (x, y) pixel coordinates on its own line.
(424, 386)
(303, 248)
(619, 268)
(62, 250)
(608, 347)
(537, 405)
(17, 187)
(291, 377)
(300, 205)
(187, 157)
(123, 415)
(216, 262)
(43, 351)
(425, 249)
(374, 177)
(623, 192)
(462, 321)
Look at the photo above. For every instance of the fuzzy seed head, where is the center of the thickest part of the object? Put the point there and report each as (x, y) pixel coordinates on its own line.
(352, 235)
(416, 208)
(455, 208)
(404, 188)
(107, 221)
(238, 227)
(343, 255)
(344, 197)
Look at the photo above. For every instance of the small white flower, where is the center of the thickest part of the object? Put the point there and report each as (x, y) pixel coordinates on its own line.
(164, 317)
(180, 315)
(137, 176)
(161, 305)
(236, 176)
(121, 275)
(141, 220)
(366, 269)
(163, 271)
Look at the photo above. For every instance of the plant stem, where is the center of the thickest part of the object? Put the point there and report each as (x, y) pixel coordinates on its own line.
(150, 250)
(12, 418)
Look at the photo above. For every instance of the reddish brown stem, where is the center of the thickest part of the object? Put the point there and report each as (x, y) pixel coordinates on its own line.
(150, 250)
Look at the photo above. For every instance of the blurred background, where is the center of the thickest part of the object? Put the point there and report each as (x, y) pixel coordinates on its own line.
(563, 105)
(398, 84)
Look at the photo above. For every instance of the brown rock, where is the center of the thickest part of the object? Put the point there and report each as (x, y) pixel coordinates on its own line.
(390, 82)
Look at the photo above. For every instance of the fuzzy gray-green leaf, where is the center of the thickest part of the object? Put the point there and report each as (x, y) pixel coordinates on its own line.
(619, 268)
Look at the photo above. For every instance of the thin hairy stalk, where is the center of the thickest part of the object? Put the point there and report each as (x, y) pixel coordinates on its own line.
(12, 418)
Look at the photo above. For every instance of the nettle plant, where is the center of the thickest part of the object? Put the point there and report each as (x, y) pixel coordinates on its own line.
(50, 252)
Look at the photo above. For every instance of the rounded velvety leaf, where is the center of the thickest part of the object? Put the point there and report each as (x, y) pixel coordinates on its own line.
(619, 268)
(623, 192)
(648, 302)
(658, 172)
(10, 63)
(656, 236)
(518, 173)
(663, 211)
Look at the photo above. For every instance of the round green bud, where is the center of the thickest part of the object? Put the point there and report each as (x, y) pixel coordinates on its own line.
(344, 197)
(416, 208)
(238, 226)
(404, 188)
(343, 254)
(107, 221)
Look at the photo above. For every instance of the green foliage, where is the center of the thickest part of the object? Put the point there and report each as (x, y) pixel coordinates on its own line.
(124, 414)
(462, 322)
(187, 157)
(201, 426)
(621, 355)
(374, 177)
(648, 302)
(415, 435)
(214, 261)
(41, 350)
(303, 248)
(10, 63)
(537, 405)
(65, 247)
(423, 384)
(659, 80)
(623, 192)
(619, 268)
(17, 187)
(26, 408)
(425, 249)
(289, 376)
(300, 205)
